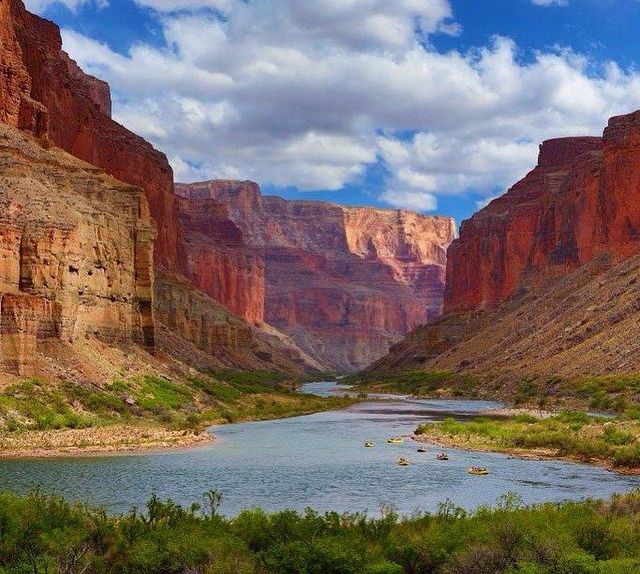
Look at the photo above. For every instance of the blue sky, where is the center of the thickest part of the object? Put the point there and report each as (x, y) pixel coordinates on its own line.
(435, 105)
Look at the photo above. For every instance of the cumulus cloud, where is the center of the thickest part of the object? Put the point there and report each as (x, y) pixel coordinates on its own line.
(311, 94)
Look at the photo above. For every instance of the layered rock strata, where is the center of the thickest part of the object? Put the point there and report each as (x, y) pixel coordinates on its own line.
(42, 90)
(75, 253)
(344, 283)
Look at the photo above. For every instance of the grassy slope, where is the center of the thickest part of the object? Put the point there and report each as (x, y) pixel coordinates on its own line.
(46, 534)
(32, 408)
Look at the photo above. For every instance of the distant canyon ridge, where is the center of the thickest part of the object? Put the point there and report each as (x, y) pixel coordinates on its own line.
(345, 283)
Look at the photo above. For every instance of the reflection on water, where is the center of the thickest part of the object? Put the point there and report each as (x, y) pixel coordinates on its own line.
(319, 461)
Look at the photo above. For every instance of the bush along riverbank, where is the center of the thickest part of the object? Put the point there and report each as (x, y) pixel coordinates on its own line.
(45, 534)
(147, 412)
(614, 443)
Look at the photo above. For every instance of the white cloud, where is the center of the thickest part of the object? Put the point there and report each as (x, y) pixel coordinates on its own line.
(39, 6)
(308, 94)
(551, 2)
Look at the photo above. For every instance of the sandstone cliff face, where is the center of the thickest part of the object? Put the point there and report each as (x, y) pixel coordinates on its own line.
(541, 224)
(217, 260)
(44, 91)
(53, 293)
(344, 283)
(543, 281)
(75, 253)
(580, 201)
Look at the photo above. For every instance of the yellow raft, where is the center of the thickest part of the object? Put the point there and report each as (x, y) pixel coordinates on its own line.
(403, 462)
(368, 444)
(478, 470)
(395, 440)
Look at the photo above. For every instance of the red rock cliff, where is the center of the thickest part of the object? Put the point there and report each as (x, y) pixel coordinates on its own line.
(44, 91)
(218, 262)
(344, 283)
(581, 200)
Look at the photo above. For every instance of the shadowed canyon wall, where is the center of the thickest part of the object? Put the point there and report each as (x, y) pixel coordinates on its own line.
(344, 283)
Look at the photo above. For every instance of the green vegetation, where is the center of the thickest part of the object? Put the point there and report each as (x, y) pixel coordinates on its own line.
(570, 434)
(226, 396)
(607, 393)
(45, 534)
(418, 383)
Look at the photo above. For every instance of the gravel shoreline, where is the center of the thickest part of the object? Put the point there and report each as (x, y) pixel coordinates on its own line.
(117, 439)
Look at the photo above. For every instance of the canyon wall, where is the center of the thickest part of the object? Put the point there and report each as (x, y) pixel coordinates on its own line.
(344, 283)
(44, 91)
(581, 200)
(543, 281)
(75, 251)
(62, 289)
(217, 260)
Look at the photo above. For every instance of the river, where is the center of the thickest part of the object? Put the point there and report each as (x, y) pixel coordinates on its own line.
(317, 461)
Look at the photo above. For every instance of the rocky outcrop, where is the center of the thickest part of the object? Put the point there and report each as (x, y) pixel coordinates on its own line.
(42, 90)
(75, 250)
(540, 224)
(581, 200)
(217, 260)
(344, 283)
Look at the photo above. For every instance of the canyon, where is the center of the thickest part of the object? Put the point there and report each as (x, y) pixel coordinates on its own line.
(344, 282)
(214, 274)
(542, 281)
(92, 258)
(236, 279)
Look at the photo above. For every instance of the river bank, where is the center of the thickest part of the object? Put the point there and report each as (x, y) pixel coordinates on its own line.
(149, 414)
(570, 436)
(117, 439)
(316, 461)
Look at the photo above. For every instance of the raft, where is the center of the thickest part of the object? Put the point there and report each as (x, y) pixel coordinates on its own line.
(395, 440)
(368, 444)
(442, 456)
(478, 470)
(403, 462)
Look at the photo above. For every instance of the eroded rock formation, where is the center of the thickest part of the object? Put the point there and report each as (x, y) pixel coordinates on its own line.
(344, 283)
(44, 91)
(543, 281)
(75, 253)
